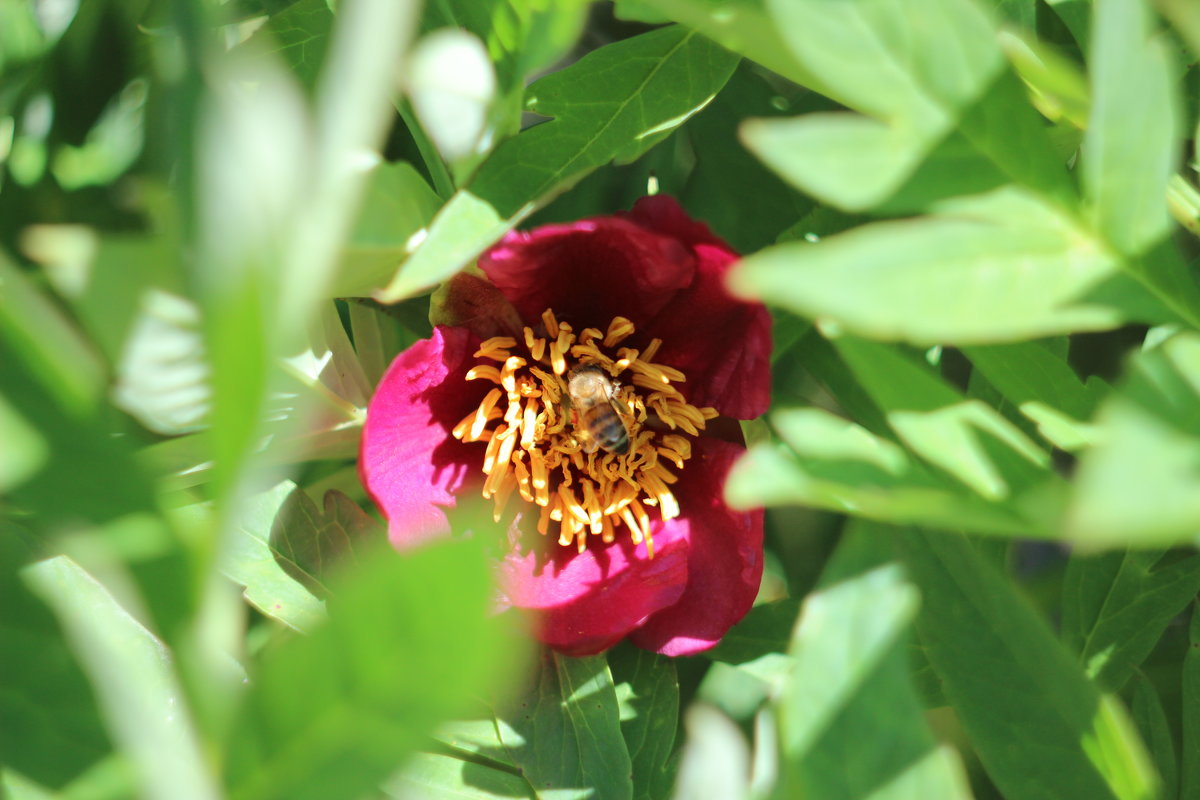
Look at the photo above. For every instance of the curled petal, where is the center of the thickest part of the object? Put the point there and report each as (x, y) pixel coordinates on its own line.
(589, 601)
(662, 214)
(725, 560)
(589, 271)
(722, 343)
(409, 462)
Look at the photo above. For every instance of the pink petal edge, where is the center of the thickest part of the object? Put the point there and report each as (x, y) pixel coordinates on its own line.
(409, 462)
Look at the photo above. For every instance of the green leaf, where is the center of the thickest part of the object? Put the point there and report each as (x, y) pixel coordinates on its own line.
(133, 676)
(566, 734)
(377, 339)
(397, 204)
(900, 82)
(716, 759)
(521, 36)
(1189, 765)
(309, 544)
(1015, 678)
(999, 267)
(743, 26)
(833, 464)
(729, 188)
(1140, 484)
(375, 678)
(613, 104)
(62, 360)
(24, 451)
(301, 34)
(766, 629)
(851, 687)
(52, 729)
(648, 695)
(435, 776)
(1152, 725)
(1043, 386)
(1117, 605)
(968, 439)
(1131, 146)
(251, 562)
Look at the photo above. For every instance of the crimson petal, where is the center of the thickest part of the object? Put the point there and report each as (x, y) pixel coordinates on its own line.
(724, 561)
(589, 271)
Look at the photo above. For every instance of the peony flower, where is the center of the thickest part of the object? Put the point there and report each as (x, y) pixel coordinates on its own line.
(604, 544)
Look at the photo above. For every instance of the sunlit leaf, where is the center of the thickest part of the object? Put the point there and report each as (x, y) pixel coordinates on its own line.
(638, 91)
(1005, 266)
(251, 562)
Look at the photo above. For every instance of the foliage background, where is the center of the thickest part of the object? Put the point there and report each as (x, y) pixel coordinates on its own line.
(974, 221)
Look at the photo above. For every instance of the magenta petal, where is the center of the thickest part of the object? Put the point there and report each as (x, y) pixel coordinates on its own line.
(409, 462)
(591, 600)
(589, 271)
(724, 560)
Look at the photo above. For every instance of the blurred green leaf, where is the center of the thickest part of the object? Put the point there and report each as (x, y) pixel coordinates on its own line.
(1185, 17)
(1057, 86)
(1015, 678)
(1131, 145)
(647, 690)
(335, 712)
(300, 33)
(613, 104)
(833, 464)
(1189, 764)
(134, 679)
(909, 104)
(1140, 484)
(252, 562)
(1117, 605)
(743, 26)
(162, 377)
(1152, 725)
(52, 729)
(436, 776)
(64, 362)
(397, 203)
(639, 11)
(715, 762)
(851, 685)
(968, 439)
(1043, 386)
(24, 451)
(521, 36)
(1005, 266)
(565, 735)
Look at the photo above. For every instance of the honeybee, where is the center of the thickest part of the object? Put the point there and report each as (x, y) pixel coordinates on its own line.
(594, 411)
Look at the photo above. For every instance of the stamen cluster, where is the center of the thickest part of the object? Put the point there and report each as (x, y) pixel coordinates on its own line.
(535, 450)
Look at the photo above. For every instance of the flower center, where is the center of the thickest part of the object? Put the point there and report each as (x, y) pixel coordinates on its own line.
(583, 429)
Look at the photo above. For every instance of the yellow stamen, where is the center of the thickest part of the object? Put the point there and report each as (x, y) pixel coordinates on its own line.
(537, 449)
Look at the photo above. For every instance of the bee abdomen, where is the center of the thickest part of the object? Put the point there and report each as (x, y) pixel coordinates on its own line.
(610, 432)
